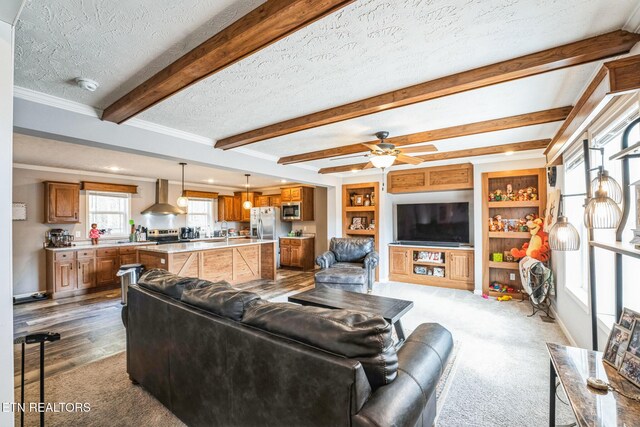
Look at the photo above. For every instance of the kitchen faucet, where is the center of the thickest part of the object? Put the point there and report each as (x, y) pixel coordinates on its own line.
(225, 226)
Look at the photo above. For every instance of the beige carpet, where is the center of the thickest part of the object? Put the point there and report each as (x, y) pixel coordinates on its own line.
(114, 401)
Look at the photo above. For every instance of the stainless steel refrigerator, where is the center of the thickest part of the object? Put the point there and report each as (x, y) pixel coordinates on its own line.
(266, 224)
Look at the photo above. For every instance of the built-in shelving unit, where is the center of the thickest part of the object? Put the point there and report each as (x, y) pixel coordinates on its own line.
(368, 191)
(501, 241)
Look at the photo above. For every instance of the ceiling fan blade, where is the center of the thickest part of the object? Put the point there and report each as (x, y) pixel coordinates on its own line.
(419, 149)
(409, 159)
(371, 147)
(348, 157)
(368, 166)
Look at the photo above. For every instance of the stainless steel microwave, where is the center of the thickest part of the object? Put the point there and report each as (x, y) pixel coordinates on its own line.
(291, 211)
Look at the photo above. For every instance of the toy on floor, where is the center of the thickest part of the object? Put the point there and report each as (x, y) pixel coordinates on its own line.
(538, 246)
(505, 298)
(485, 296)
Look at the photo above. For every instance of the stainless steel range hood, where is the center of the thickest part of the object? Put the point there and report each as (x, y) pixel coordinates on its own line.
(162, 206)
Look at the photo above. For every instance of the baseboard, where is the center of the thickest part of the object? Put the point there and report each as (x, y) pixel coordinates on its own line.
(563, 328)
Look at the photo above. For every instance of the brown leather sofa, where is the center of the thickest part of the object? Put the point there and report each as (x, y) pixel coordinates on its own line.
(214, 355)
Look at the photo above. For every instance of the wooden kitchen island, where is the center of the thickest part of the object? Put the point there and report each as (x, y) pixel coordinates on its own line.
(234, 261)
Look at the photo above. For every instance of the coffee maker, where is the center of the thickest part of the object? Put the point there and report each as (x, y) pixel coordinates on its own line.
(58, 238)
(187, 233)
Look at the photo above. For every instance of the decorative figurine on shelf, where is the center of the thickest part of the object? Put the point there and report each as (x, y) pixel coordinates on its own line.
(352, 197)
(94, 234)
(492, 225)
(498, 194)
(367, 200)
(538, 245)
(373, 198)
(510, 196)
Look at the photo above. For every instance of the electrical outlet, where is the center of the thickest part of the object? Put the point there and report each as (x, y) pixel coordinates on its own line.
(512, 276)
(163, 261)
(78, 233)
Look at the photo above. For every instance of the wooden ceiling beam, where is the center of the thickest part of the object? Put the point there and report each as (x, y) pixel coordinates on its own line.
(615, 78)
(258, 29)
(494, 125)
(537, 144)
(568, 55)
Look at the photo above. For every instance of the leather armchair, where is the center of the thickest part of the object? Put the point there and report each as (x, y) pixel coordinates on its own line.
(358, 252)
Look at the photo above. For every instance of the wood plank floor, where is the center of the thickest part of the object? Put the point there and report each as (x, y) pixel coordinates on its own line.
(91, 327)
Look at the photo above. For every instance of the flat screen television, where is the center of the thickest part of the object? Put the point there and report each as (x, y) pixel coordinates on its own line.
(433, 223)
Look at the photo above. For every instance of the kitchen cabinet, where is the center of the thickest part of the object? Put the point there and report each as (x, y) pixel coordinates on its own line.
(106, 270)
(301, 194)
(65, 276)
(86, 273)
(297, 252)
(226, 210)
(266, 201)
(242, 214)
(61, 203)
(78, 271)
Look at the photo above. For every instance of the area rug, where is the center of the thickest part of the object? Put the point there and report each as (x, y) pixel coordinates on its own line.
(108, 398)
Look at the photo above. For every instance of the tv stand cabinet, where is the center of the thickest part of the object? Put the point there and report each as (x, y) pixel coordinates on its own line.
(440, 266)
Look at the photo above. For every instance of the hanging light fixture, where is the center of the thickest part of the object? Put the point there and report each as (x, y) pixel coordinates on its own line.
(602, 212)
(563, 235)
(182, 200)
(247, 203)
(382, 161)
(607, 184)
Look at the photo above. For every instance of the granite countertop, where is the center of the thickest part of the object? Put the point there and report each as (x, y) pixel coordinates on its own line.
(100, 246)
(216, 239)
(205, 246)
(308, 236)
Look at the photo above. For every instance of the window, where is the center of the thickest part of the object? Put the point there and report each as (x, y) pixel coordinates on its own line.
(576, 262)
(111, 211)
(200, 213)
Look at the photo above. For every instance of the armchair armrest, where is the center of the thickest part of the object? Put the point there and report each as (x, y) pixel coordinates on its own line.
(372, 260)
(326, 260)
(410, 399)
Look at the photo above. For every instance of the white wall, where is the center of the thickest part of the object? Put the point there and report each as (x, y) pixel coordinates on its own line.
(6, 155)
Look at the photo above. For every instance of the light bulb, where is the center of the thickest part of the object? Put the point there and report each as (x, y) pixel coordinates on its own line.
(607, 184)
(247, 204)
(182, 201)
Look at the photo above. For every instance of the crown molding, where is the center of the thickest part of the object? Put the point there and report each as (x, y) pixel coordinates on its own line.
(54, 101)
(52, 169)
(633, 23)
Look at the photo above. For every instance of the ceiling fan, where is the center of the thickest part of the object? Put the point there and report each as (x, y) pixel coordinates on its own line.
(384, 154)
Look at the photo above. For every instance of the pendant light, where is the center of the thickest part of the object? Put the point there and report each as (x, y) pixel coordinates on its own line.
(182, 200)
(563, 235)
(607, 184)
(602, 211)
(247, 203)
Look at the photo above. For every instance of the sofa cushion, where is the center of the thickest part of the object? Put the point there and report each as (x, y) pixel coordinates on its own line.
(352, 249)
(364, 337)
(169, 284)
(220, 299)
(348, 265)
(348, 275)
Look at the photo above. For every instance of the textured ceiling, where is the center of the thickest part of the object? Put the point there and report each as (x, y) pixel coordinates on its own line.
(46, 152)
(367, 48)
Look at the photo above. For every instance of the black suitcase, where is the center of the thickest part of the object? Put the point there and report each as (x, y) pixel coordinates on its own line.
(41, 338)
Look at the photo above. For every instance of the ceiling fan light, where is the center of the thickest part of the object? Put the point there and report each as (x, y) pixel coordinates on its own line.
(383, 160)
(564, 236)
(607, 184)
(602, 212)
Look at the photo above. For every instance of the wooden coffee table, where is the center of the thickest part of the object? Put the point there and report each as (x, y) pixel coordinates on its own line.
(390, 309)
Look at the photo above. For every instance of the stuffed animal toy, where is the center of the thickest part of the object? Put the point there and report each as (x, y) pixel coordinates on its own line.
(538, 246)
